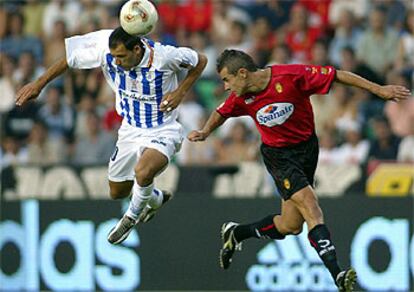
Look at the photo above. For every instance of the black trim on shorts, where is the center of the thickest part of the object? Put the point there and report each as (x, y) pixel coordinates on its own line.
(292, 167)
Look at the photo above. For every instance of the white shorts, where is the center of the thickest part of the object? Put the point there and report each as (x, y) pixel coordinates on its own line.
(133, 141)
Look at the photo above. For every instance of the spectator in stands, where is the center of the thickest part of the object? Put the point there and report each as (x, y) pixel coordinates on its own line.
(347, 34)
(396, 12)
(406, 148)
(96, 147)
(400, 115)
(16, 42)
(57, 115)
(346, 108)
(19, 121)
(328, 152)
(325, 108)
(12, 153)
(349, 62)
(67, 11)
(264, 40)
(357, 7)
(300, 37)
(318, 12)
(281, 54)
(27, 70)
(199, 41)
(237, 146)
(405, 54)
(196, 15)
(190, 111)
(86, 106)
(385, 144)
(41, 150)
(91, 13)
(239, 37)
(33, 14)
(224, 13)
(199, 153)
(276, 12)
(7, 83)
(354, 150)
(320, 53)
(378, 45)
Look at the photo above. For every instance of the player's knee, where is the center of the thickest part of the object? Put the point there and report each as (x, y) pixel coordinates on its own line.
(144, 175)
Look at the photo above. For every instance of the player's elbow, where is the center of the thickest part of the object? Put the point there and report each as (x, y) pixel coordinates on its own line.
(202, 61)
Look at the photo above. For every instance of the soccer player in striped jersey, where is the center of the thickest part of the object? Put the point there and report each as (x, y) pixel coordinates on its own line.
(149, 80)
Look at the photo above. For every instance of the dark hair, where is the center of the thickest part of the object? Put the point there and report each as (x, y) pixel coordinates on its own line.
(349, 49)
(120, 36)
(233, 60)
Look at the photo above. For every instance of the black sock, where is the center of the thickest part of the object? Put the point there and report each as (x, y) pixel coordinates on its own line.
(320, 239)
(264, 228)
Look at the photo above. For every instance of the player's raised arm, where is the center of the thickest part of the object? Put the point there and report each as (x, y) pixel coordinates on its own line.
(214, 121)
(33, 89)
(387, 92)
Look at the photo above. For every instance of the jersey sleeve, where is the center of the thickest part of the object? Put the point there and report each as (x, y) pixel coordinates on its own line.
(177, 59)
(315, 79)
(87, 51)
(230, 108)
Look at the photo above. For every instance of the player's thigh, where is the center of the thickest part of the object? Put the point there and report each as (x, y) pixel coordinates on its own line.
(291, 219)
(151, 162)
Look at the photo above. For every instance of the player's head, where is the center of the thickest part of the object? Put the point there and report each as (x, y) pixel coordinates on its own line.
(126, 49)
(233, 67)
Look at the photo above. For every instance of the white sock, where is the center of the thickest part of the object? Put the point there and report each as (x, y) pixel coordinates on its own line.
(139, 199)
(156, 199)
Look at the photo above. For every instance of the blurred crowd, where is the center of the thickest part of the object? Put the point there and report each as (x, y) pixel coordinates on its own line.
(74, 120)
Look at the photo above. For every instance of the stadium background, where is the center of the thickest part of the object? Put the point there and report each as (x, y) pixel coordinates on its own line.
(55, 212)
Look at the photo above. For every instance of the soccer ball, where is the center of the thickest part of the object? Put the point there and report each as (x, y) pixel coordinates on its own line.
(138, 17)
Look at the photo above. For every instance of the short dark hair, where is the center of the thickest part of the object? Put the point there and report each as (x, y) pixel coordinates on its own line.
(233, 60)
(120, 36)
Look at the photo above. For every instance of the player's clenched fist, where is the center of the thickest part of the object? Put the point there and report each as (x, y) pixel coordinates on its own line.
(195, 136)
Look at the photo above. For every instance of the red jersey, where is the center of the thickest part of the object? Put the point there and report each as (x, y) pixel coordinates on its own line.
(282, 111)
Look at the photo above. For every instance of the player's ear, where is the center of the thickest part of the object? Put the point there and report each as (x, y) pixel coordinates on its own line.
(137, 49)
(242, 72)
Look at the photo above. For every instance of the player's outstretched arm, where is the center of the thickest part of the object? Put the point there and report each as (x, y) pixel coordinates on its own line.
(171, 100)
(33, 89)
(214, 121)
(387, 92)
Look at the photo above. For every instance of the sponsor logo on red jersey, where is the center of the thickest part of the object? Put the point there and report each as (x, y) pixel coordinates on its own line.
(274, 114)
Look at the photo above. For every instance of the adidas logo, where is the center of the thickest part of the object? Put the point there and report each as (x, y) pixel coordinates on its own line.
(289, 264)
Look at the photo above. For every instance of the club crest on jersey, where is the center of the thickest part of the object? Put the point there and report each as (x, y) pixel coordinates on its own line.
(274, 114)
(286, 183)
(279, 87)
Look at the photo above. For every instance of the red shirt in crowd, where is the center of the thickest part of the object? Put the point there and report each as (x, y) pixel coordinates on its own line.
(282, 111)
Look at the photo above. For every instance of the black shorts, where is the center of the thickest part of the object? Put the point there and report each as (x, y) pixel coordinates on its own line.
(292, 168)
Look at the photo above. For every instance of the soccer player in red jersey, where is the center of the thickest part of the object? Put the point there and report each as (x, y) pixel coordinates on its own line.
(277, 98)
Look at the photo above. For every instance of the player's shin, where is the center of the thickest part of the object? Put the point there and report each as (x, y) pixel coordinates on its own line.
(139, 199)
(320, 239)
(264, 228)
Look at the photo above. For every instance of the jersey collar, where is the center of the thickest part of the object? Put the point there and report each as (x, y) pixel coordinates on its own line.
(148, 56)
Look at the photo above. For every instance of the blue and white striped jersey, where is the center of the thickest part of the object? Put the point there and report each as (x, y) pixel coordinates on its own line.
(138, 91)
